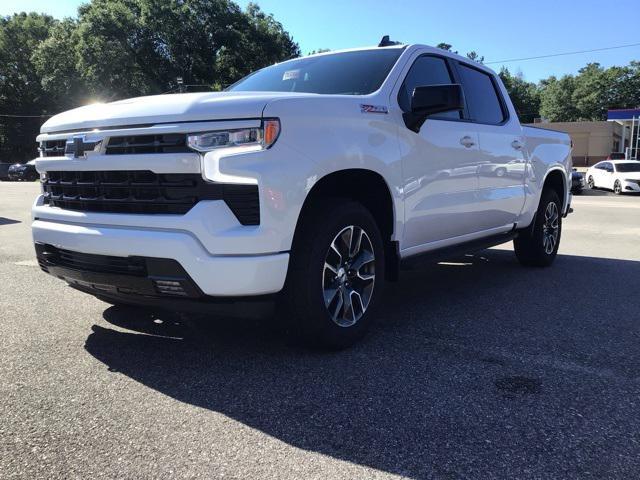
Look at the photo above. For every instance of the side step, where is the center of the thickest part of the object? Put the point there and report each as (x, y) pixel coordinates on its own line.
(446, 253)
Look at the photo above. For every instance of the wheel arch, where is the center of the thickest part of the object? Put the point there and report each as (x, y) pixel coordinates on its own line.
(369, 188)
(555, 179)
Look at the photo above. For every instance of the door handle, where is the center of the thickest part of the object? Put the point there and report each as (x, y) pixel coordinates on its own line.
(517, 144)
(467, 141)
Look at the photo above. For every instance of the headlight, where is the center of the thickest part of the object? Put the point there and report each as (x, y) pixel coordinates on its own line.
(264, 136)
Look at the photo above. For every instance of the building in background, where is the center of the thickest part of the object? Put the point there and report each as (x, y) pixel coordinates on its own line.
(629, 119)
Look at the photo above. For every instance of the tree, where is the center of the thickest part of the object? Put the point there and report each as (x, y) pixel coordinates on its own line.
(589, 94)
(556, 99)
(445, 46)
(473, 55)
(123, 48)
(320, 50)
(59, 73)
(137, 47)
(21, 92)
(524, 95)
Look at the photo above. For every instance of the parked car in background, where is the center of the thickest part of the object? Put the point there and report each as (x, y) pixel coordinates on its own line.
(621, 176)
(617, 156)
(23, 171)
(4, 171)
(577, 182)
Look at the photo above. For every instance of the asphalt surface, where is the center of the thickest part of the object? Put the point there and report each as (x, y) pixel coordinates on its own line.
(477, 368)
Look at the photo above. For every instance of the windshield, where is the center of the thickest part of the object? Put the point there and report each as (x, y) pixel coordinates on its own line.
(347, 73)
(628, 167)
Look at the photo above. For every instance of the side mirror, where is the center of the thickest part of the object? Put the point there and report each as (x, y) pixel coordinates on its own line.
(430, 100)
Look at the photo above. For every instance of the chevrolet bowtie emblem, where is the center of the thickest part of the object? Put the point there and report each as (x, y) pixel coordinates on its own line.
(78, 146)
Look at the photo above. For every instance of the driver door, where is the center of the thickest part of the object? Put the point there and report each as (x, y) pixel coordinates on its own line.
(440, 164)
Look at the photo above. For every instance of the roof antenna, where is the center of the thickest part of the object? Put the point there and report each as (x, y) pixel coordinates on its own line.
(385, 42)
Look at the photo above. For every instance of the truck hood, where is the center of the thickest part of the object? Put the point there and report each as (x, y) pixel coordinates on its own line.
(184, 107)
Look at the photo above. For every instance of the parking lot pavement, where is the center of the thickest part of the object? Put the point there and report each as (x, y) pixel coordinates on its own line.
(477, 368)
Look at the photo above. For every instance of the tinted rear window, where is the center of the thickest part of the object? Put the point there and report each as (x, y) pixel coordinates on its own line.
(481, 96)
(347, 73)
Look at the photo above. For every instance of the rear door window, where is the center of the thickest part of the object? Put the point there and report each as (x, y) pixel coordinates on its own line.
(481, 95)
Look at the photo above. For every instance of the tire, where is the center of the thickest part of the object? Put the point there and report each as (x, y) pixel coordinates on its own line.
(617, 187)
(324, 279)
(591, 183)
(501, 172)
(537, 246)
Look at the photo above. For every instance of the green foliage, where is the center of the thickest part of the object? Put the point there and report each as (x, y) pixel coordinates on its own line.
(124, 48)
(320, 50)
(138, 47)
(524, 95)
(20, 88)
(445, 46)
(473, 55)
(589, 94)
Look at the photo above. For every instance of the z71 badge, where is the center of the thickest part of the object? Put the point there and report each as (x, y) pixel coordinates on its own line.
(373, 109)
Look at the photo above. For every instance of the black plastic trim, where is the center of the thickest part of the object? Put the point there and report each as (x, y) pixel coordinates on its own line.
(134, 288)
(146, 192)
(449, 252)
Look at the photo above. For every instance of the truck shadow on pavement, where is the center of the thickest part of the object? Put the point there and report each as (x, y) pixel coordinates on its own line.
(8, 221)
(477, 368)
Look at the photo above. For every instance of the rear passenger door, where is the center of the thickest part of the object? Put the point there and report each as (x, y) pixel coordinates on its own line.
(501, 175)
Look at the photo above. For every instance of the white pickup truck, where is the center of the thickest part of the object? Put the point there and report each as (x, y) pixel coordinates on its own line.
(310, 182)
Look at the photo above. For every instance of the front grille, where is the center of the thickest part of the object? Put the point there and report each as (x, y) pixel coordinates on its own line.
(127, 145)
(86, 262)
(127, 191)
(141, 144)
(53, 148)
(145, 192)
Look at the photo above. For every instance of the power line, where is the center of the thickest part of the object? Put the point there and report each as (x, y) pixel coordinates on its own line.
(563, 54)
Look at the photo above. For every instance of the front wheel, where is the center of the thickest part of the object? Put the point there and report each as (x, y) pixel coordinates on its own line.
(617, 187)
(537, 246)
(336, 274)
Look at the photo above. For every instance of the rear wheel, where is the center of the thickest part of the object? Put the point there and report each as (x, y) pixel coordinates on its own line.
(336, 274)
(590, 182)
(537, 246)
(617, 187)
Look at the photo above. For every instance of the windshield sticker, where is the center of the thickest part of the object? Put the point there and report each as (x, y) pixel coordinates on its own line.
(291, 75)
(373, 109)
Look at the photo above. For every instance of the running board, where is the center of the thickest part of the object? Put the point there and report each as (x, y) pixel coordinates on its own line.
(446, 253)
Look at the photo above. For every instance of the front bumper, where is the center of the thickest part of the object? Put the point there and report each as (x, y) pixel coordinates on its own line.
(631, 186)
(213, 275)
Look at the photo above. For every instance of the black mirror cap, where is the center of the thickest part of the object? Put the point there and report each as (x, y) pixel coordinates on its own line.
(433, 99)
(437, 99)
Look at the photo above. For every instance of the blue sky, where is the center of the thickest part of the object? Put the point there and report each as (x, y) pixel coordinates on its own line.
(497, 29)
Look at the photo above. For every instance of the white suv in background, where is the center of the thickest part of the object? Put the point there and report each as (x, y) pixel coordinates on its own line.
(309, 182)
